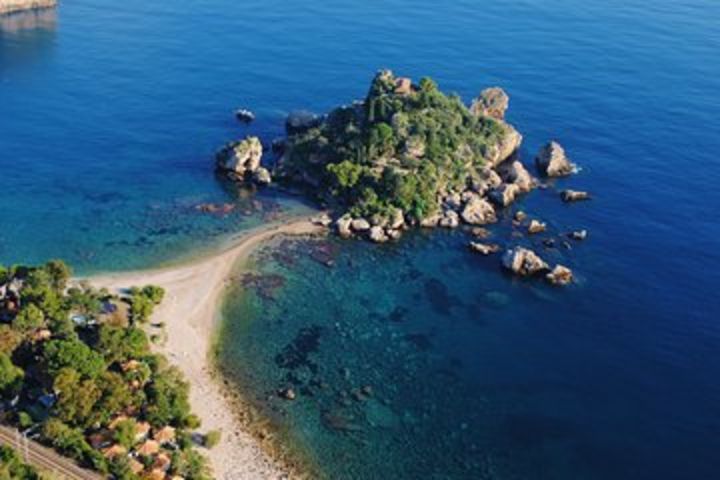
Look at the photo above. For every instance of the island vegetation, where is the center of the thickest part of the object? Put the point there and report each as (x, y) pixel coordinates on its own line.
(78, 374)
(401, 148)
(409, 154)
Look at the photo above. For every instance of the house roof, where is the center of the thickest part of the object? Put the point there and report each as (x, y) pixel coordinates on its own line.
(142, 429)
(150, 447)
(165, 434)
(135, 466)
(114, 451)
(162, 462)
(155, 474)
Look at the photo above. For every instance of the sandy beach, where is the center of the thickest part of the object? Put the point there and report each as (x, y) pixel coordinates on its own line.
(190, 312)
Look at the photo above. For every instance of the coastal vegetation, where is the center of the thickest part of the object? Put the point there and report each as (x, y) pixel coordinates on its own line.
(401, 148)
(13, 468)
(77, 372)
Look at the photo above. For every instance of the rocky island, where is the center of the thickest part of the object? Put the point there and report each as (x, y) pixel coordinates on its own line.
(11, 6)
(408, 155)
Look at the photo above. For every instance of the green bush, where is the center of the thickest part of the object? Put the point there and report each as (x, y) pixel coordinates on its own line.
(212, 438)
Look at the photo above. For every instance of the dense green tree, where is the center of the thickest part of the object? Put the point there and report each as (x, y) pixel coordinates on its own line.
(30, 318)
(125, 433)
(59, 354)
(13, 468)
(167, 397)
(116, 396)
(11, 376)
(76, 397)
(10, 339)
(59, 273)
(119, 344)
(71, 442)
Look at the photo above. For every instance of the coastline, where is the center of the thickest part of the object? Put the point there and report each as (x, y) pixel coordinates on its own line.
(12, 6)
(190, 313)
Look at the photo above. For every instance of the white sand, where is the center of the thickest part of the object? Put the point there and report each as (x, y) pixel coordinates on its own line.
(190, 312)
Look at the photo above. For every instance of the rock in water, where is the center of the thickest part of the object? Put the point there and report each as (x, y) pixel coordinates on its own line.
(262, 176)
(484, 248)
(478, 211)
(515, 173)
(343, 225)
(360, 225)
(492, 102)
(450, 219)
(536, 226)
(377, 235)
(505, 147)
(574, 195)
(552, 161)
(522, 261)
(578, 235)
(244, 115)
(239, 158)
(560, 275)
(505, 194)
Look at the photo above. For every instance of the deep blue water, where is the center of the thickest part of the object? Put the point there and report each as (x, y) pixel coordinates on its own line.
(110, 112)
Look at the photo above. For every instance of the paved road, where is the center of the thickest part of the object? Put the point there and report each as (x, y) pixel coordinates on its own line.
(44, 458)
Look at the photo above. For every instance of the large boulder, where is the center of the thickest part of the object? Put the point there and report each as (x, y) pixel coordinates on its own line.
(377, 235)
(484, 248)
(492, 102)
(574, 196)
(552, 161)
(506, 146)
(524, 262)
(478, 211)
(515, 172)
(505, 194)
(239, 158)
(560, 275)
(262, 176)
(343, 225)
(360, 225)
(485, 180)
(450, 219)
(536, 226)
(397, 219)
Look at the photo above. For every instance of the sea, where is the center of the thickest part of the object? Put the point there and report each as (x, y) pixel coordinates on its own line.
(414, 359)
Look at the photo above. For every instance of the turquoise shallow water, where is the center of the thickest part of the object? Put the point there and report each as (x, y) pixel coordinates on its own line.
(110, 113)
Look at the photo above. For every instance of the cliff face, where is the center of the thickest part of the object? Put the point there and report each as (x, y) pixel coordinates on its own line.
(9, 6)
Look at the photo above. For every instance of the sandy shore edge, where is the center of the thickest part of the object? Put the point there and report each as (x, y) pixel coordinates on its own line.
(190, 312)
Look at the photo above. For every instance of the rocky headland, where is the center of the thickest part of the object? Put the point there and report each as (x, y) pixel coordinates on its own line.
(11, 6)
(409, 155)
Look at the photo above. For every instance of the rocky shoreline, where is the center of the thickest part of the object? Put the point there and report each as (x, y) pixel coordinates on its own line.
(492, 178)
(12, 6)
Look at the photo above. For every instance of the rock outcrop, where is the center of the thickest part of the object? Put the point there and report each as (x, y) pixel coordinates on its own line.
(560, 275)
(478, 211)
(524, 262)
(551, 161)
(505, 147)
(484, 248)
(536, 226)
(241, 160)
(492, 102)
(343, 225)
(378, 235)
(574, 196)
